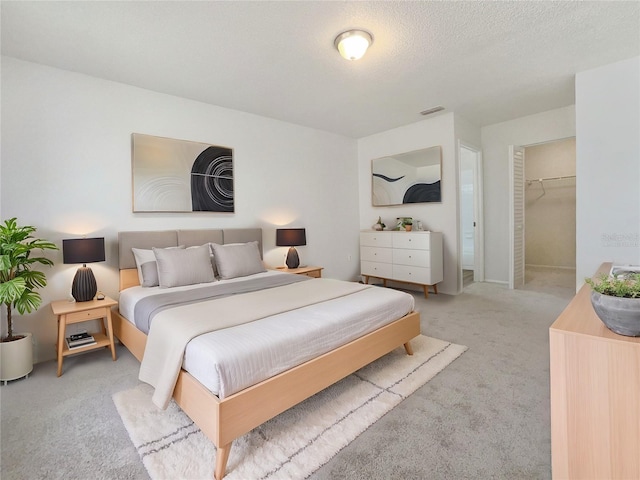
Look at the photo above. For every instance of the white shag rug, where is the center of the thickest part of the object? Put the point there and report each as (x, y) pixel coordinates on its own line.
(297, 442)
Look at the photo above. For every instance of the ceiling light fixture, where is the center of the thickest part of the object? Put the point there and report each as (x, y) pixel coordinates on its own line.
(353, 44)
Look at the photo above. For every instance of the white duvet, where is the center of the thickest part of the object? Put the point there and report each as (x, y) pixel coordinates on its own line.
(229, 360)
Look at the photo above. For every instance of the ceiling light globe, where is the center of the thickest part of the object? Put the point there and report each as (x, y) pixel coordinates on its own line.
(353, 44)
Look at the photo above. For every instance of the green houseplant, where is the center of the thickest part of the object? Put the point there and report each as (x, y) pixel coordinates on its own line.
(18, 284)
(616, 300)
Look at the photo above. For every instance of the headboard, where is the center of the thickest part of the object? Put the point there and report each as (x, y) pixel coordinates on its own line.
(173, 238)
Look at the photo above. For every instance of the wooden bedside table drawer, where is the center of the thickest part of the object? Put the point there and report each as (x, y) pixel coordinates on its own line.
(86, 315)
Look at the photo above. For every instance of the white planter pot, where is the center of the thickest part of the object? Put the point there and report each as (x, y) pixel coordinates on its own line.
(16, 358)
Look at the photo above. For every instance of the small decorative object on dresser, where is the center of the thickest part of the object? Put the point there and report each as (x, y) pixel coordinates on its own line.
(379, 226)
(616, 299)
(409, 257)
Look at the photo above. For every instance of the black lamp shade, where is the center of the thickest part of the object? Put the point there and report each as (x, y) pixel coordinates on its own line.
(83, 250)
(291, 237)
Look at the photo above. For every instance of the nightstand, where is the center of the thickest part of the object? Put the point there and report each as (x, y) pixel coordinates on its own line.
(75, 312)
(315, 272)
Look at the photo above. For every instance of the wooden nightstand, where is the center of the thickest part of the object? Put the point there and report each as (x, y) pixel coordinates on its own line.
(75, 312)
(315, 272)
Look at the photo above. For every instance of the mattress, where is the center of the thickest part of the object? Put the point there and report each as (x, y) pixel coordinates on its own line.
(232, 359)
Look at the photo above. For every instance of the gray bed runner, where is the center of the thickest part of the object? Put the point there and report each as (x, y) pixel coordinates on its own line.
(150, 306)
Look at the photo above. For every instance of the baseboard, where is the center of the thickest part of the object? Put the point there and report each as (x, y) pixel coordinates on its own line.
(499, 282)
(549, 266)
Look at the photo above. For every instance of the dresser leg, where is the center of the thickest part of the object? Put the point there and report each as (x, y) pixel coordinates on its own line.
(435, 288)
(426, 291)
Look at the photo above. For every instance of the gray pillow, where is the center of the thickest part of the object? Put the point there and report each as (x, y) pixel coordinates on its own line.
(184, 267)
(237, 259)
(147, 267)
(150, 274)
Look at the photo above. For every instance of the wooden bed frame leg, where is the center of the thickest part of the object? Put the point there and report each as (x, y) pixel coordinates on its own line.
(408, 348)
(222, 455)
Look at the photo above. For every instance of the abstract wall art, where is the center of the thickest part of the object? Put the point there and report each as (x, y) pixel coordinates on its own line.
(181, 176)
(411, 177)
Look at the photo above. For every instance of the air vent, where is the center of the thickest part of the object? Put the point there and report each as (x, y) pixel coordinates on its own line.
(429, 111)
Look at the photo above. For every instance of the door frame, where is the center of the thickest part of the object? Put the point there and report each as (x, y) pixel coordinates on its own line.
(478, 214)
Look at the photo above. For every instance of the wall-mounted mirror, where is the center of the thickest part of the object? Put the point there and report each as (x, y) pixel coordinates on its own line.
(412, 177)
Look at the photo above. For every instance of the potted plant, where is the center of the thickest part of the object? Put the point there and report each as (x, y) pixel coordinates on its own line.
(404, 223)
(18, 285)
(616, 300)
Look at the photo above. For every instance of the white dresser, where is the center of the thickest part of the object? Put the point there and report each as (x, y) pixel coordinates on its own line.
(411, 257)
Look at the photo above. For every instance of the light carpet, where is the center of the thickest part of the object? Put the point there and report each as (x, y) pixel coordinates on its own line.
(295, 443)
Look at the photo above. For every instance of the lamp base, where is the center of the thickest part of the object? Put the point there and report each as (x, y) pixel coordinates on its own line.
(84, 285)
(293, 260)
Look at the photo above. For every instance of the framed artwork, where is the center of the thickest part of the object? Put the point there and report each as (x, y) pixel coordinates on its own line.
(412, 177)
(180, 176)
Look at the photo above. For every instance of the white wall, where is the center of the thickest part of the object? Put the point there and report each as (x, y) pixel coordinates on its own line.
(66, 169)
(530, 130)
(608, 166)
(437, 217)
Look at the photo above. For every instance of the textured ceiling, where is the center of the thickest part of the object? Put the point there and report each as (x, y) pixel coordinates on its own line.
(487, 61)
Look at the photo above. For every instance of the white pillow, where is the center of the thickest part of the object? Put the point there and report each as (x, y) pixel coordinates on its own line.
(177, 267)
(147, 267)
(237, 259)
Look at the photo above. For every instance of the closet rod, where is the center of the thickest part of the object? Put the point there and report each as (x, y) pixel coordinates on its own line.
(549, 178)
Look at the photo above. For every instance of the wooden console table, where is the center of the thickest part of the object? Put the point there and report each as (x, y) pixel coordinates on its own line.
(595, 396)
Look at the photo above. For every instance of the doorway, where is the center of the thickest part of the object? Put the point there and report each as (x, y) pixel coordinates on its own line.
(470, 248)
(543, 216)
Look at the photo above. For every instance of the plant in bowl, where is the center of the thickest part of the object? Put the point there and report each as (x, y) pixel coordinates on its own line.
(407, 223)
(18, 284)
(616, 300)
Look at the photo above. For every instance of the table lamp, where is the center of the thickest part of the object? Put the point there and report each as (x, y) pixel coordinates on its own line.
(291, 237)
(83, 250)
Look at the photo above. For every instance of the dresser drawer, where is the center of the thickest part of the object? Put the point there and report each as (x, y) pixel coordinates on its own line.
(382, 270)
(86, 315)
(407, 273)
(417, 241)
(375, 239)
(375, 254)
(415, 258)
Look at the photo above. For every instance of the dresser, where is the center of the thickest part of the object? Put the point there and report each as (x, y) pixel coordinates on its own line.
(595, 396)
(409, 257)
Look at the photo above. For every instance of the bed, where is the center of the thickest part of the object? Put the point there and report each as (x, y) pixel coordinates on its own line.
(228, 410)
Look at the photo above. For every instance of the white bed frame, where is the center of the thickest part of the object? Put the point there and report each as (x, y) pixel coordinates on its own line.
(227, 419)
